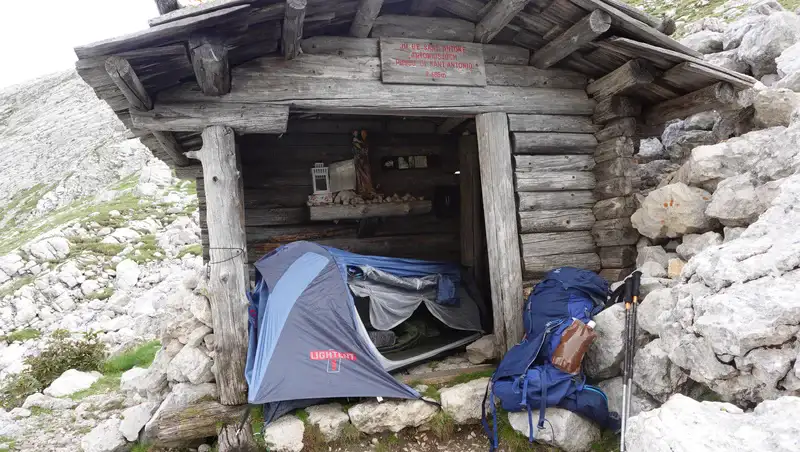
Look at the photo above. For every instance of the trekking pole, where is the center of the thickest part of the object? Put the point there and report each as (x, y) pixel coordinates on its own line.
(627, 299)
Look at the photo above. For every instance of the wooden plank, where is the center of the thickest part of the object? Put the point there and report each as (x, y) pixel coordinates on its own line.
(720, 96)
(173, 14)
(556, 220)
(342, 46)
(376, 98)
(556, 200)
(617, 128)
(618, 207)
(552, 243)
(616, 274)
(315, 66)
(425, 62)
(616, 232)
(615, 107)
(178, 425)
(502, 238)
(342, 212)
(554, 143)
(636, 28)
(171, 146)
(497, 18)
(293, 20)
(244, 118)
(442, 377)
(176, 31)
(438, 28)
(126, 80)
(553, 163)
(617, 256)
(561, 181)
(584, 31)
(465, 9)
(664, 25)
(690, 76)
(449, 124)
(473, 239)
(614, 168)
(529, 76)
(276, 216)
(506, 54)
(366, 14)
(624, 79)
(615, 148)
(211, 67)
(538, 266)
(614, 187)
(423, 7)
(551, 123)
(166, 6)
(534, 23)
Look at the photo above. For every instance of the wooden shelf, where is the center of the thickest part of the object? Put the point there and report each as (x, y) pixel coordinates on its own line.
(348, 212)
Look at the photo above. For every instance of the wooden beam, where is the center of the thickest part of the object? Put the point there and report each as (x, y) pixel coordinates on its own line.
(618, 256)
(619, 207)
(615, 148)
(166, 6)
(340, 45)
(506, 54)
(293, 20)
(228, 248)
(636, 28)
(615, 107)
(441, 377)
(631, 75)
(551, 123)
(719, 96)
(123, 75)
(695, 76)
(348, 212)
(557, 200)
(196, 10)
(195, 117)
(473, 238)
(465, 9)
(616, 232)
(366, 14)
(584, 31)
(556, 221)
(561, 181)
(173, 148)
(617, 128)
(423, 7)
(537, 266)
(529, 76)
(554, 143)
(553, 163)
(552, 243)
(664, 25)
(449, 124)
(497, 18)
(443, 28)
(502, 238)
(210, 62)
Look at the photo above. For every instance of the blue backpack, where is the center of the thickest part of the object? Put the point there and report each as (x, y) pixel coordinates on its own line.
(526, 379)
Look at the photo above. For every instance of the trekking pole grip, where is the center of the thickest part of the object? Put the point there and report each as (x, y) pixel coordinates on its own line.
(636, 281)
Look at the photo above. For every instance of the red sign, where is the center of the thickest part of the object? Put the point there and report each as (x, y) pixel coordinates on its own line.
(417, 61)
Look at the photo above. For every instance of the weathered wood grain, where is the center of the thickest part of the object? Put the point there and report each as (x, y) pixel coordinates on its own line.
(366, 14)
(506, 54)
(497, 18)
(173, 14)
(556, 220)
(276, 216)
(449, 124)
(617, 128)
(560, 181)
(556, 200)
(244, 118)
(553, 163)
(554, 143)
(166, 6)
(464, 9)
(584, 31)
(423, 7)
(174, 149)
(293, 20)
(342, 46)
(211, 66)
(341, 212)
(126, 80)
(616, 232)
(529, 76)
(611, 169)
(502, 239)
(616, 274)
(473, 238)
(617, 256)
(315, 66)
(441, 28)
(720, 96)
(400, 65)
(551, 123)
(618, 207)
(616, 107)
(611, 188)
(631, 75)
(538, 266)
(664, 25)
(178, 425)
(552, 243)
(690, 76)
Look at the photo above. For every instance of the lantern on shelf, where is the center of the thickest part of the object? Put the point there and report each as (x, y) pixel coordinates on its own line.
(320, 179)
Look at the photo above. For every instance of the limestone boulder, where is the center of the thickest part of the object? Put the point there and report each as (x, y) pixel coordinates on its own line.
(704, 41)
(687, 425)
(652, 269)
(653, 310)
(391, 415)
(640, 400)
(651, 149)
(655, 373)
(70, 382)
(330, 419)
(673, 211)
(463, 401)
(768, 38)
(483, 350)
(729, 59)
(604, 358)
(696, 355)
(570, 432)
(693, 244)
(128, 273)
(285, 434)
(654, 173)
(39, 400)
(135, 418)
(790, 81)
(106, 437)
(655, 254)
(789, 60)
(191, 365)
(679, 141)
(50, 249)
(774, 107)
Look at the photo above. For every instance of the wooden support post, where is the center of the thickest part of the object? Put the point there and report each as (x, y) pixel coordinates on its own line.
(502, 239)
(473, 239)
(293, 27)
(615, 107)
(633, 74)
(211, 67)
(719, 96)
(423, 7)
(166, 6)
(122, 74)
(172, 147)
(366, 14)
(584, 31)
(228, 272)
(497, 18)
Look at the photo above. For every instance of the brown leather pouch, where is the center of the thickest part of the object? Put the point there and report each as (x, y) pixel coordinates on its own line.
(573, 346)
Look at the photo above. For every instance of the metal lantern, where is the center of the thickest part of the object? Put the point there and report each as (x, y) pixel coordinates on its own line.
(320, 178)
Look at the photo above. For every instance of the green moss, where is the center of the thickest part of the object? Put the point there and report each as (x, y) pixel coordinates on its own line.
(139, 356)
(140, 447)
(93, 245)
(106, 383)
(128, 183)
(257, 424)
(15, 285)
(195, 249)
(609, 442)
(465, 378)
(101, 294)
(17, 388)
(10, 443)
(443, 426)
(22, 335)
(432, 392)
(38, 411)
(350, 434)
(148, 250)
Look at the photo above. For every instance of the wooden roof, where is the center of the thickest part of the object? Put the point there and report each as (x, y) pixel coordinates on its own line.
(253, 28)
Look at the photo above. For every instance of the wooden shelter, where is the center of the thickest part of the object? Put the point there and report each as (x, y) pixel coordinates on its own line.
(531, 109)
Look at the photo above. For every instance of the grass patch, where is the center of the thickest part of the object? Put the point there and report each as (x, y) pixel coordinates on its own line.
(38, 411)
(432, 392)
(139, 356)
(62, 353)
(17, 388)
(313, 439)
(93, 245)
(466, 378)
(195, 249)
(443, 426)
(350, 434)
(22, 335)
(10, 444)
(609, 442)
(128, 183)
(513, 441)
(101, 294)
(257, 424)
(16, 285)
(147, 251)
(106, 383)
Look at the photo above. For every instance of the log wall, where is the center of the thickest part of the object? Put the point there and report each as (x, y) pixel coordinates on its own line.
(277, 182)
